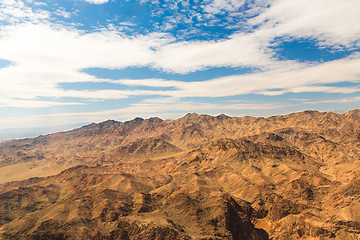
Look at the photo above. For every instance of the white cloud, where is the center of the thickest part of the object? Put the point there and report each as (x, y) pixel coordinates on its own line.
(283, 19)
(57, 47)
(62, 12)
(238, 51)
(45, 55)
(340, 100)
(32, 103)
(16, 11)
(97, 1)
(39, 3)
(7, 2)
(300, 78)
(330, 22)
(216, 6)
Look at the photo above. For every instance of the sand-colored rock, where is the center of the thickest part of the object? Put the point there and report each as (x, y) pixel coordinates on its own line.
(295, 176)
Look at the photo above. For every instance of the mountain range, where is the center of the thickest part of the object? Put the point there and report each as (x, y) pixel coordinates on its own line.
(294, 176)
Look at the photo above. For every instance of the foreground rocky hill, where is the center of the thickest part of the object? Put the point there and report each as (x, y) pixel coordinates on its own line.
(198, 177)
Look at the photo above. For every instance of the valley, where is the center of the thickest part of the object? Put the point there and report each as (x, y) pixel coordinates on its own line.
(294, 176)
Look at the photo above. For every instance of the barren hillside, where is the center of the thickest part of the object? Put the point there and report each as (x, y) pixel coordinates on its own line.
(295, 176)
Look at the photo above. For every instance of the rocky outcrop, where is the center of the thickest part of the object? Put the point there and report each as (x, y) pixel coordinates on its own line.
(198, 177)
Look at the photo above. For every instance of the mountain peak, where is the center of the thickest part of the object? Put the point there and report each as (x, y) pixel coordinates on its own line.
(191, 115)
(222, 117)
(199, 176)
(155, 120)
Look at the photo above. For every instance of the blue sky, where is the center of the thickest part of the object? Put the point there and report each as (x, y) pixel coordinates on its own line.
(81, 61)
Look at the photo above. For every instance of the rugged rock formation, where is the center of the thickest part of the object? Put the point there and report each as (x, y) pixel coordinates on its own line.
(197, 177)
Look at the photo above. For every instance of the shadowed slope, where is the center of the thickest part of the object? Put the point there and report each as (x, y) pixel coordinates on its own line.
(197, 177)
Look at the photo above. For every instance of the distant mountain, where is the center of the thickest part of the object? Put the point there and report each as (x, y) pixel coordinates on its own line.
(16, 133)
(293, 176)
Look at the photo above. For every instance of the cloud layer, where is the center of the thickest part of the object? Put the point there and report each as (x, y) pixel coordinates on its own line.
(329, 22)
(44, 54)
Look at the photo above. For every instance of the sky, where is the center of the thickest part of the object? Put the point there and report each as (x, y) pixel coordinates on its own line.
(72, 62)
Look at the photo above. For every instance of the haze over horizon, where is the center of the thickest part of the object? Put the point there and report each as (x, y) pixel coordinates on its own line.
(80, 61)
(21, 133)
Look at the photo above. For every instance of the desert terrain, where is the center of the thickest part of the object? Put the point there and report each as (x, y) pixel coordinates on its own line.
(294, 176)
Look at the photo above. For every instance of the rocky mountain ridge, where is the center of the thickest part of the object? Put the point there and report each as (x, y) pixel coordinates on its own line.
(294, 176)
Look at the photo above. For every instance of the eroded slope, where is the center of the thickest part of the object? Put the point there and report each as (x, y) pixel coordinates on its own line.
(198, 177)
